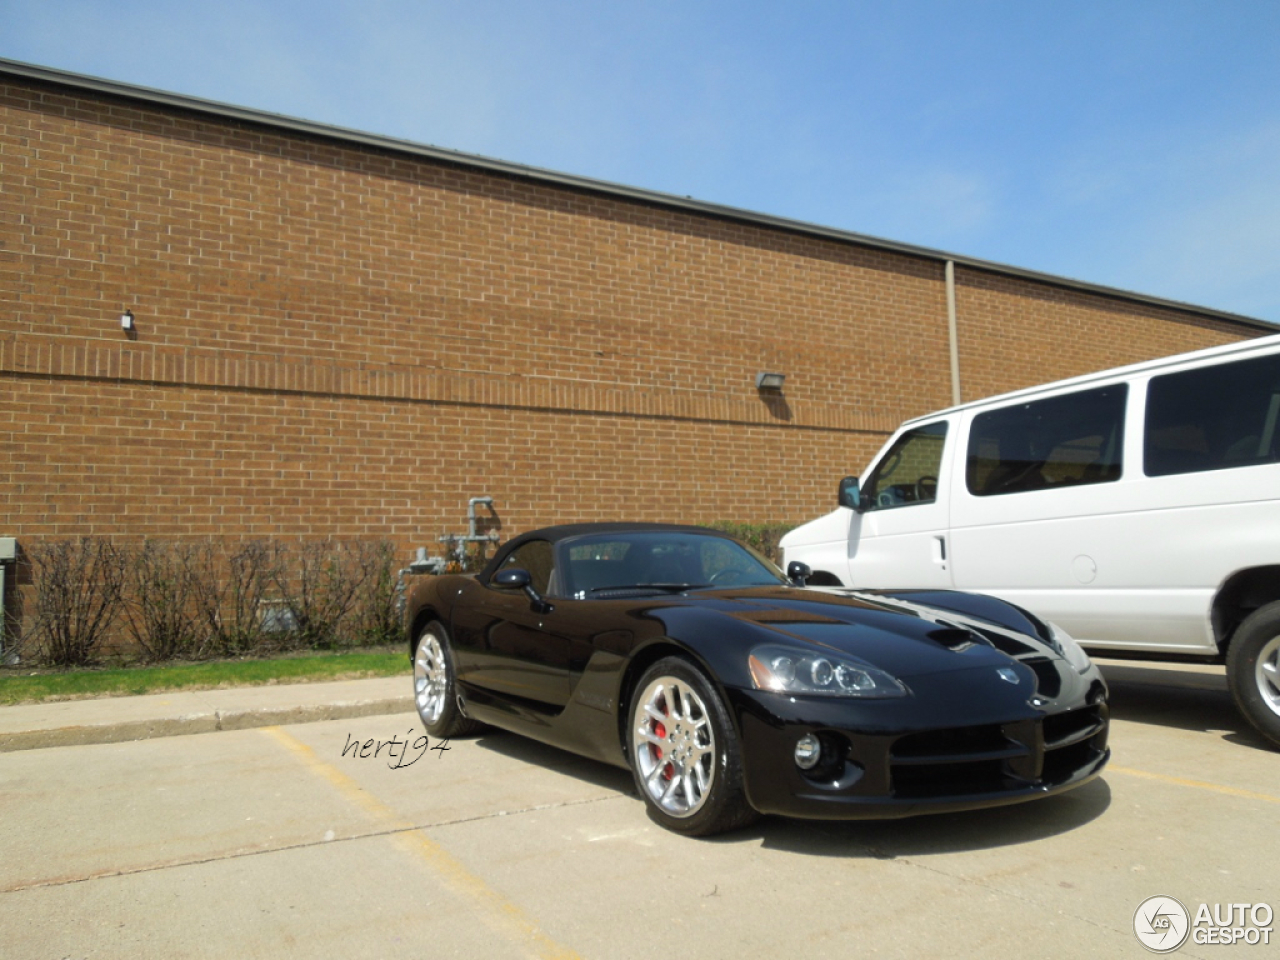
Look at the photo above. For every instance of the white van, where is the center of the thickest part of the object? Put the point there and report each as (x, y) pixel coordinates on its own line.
(1137, 508)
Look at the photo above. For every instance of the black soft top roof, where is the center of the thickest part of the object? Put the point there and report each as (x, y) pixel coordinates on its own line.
(567, 531)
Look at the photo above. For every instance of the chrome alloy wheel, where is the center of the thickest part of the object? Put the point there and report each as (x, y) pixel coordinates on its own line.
(675, 746)
(1267, 674)
(430, 678)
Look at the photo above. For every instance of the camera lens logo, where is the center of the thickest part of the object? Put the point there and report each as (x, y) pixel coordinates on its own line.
(1161, 924)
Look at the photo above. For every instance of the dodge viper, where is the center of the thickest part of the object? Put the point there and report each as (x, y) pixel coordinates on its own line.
(731, 690)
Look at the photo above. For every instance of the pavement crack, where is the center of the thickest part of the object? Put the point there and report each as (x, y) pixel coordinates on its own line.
(1039, 905)
(391, 831)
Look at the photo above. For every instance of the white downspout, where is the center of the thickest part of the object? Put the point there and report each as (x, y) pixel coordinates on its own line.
(951, 332)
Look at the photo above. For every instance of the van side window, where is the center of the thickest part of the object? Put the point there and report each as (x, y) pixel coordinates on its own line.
(908, 473)
(1045, 444)
(1213, 418)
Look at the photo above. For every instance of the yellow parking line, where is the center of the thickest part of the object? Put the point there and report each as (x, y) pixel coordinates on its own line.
(1197, 784)
(500, 914)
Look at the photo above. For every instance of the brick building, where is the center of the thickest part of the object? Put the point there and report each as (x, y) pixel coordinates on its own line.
(339, 334)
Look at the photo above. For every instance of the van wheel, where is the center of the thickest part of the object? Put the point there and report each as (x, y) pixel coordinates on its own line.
(1253, 670)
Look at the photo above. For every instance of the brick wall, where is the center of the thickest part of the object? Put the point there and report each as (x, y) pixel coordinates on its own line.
(335, 339)
(1017, 333)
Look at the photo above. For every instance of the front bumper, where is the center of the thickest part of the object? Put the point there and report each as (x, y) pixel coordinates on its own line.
(899, 758)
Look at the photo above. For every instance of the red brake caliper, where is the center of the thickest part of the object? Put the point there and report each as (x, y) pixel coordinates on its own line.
(660, 732)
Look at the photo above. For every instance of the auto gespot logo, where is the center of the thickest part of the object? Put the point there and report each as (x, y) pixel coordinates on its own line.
(1162, 924)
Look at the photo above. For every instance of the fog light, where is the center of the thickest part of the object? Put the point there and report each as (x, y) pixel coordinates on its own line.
(808, 752)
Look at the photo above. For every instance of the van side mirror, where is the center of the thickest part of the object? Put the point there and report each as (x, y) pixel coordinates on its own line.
(515, 578)
(850, 494)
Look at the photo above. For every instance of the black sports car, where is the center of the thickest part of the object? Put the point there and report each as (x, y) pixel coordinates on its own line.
(730, 690)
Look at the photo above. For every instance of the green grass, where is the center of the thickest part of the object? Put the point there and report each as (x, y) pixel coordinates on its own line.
(19, 687)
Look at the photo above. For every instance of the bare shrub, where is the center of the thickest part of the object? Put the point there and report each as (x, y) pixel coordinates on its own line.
(231, 587)
(160, 608)
(78, 588)
(376, 618)
(321, 589)
(16, 633)
(197, 600)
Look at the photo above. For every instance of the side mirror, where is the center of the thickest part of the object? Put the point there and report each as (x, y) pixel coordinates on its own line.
(850, 494)
(798, 572)
(517, 578)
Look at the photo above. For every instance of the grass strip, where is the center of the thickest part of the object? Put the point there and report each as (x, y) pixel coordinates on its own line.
(127, 681)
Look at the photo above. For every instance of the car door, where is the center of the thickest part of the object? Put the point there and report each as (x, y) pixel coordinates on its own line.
(508, 645)
(899, 536)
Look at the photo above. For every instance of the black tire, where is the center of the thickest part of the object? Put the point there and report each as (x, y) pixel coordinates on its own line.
(434, 692)
(1253, 670)
(684, 752)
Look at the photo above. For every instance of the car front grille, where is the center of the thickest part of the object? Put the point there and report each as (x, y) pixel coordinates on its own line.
(998, 757)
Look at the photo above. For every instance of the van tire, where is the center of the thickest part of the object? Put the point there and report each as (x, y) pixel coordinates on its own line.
(1253, 670)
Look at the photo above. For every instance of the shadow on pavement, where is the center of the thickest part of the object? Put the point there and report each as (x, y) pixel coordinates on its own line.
(936, 833)
(1198, 701)
(879, 839)
(570, 764)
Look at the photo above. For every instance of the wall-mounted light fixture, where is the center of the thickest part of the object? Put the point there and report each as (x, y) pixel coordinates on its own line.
(126, 320)
(770, 382)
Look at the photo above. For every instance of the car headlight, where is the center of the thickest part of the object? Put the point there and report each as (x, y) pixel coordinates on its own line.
(1072, 652)
(781, 669)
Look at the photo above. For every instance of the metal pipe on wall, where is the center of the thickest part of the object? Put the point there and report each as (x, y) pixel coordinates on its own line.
(951, 332)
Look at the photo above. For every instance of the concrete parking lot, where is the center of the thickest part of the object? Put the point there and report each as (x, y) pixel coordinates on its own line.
(270, 842)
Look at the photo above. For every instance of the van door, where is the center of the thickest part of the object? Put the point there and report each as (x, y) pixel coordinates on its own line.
(899, 536)
(1041, 511)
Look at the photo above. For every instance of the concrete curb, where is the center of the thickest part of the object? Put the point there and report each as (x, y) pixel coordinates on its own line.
(195, 723)
(116, 720)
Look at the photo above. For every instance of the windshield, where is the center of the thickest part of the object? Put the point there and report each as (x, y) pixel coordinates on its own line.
(660, 561)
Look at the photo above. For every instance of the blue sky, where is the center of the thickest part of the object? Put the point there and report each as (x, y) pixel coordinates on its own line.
(1131, 143)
